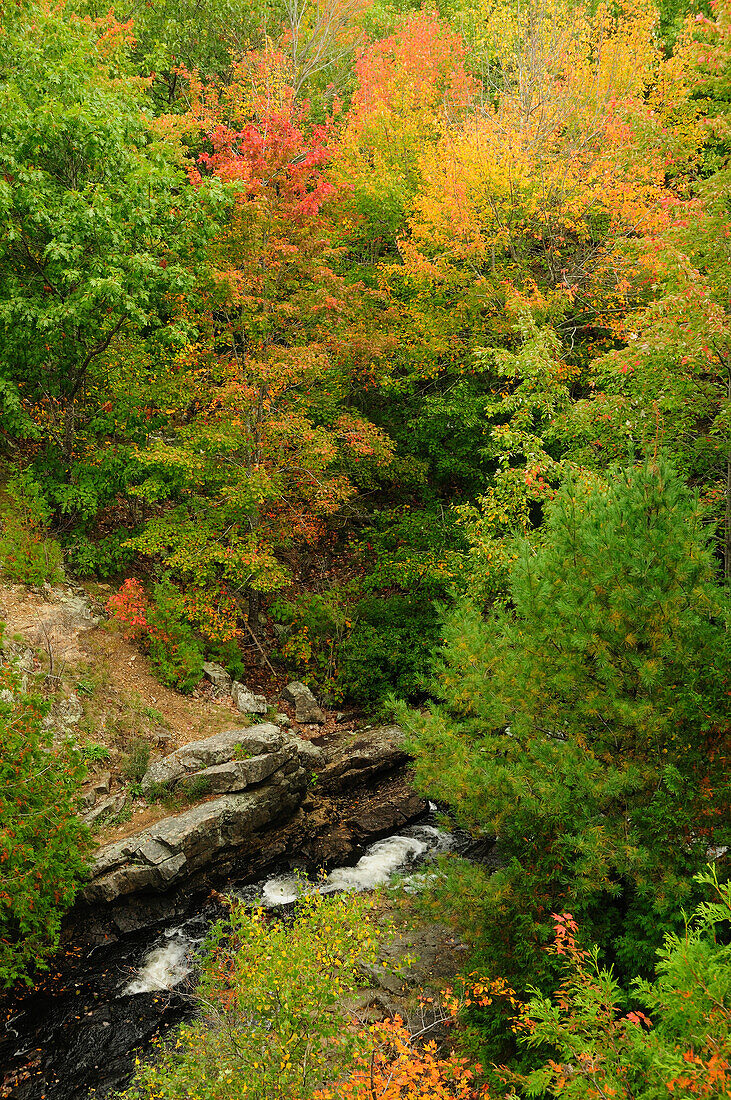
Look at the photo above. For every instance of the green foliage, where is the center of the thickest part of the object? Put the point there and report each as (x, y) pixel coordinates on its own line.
(586, 725)
(317, 625)
(136, 762)
(92, 211)
(27, 554)
(175, 651)
(94, 753)
(107, 557)
(682, 1049)
(389, 648)
(43, 844)
(271, 1026)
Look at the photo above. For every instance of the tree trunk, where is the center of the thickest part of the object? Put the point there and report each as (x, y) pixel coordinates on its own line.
(69, 428)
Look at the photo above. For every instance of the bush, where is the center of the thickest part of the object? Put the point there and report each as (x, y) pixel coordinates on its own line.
(27, 554)
(600, 1050)
(43, 844)
(390, 648)
(272, 1026)
(106, 558)
(175, 651)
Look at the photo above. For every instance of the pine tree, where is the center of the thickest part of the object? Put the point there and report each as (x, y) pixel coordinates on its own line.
(587, 725)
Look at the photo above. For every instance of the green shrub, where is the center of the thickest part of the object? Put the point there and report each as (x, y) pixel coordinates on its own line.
(136, 762)
(389, 648)
(317, 626)
(27, 554)
(43, 843)
(175, 650)
(107, 557)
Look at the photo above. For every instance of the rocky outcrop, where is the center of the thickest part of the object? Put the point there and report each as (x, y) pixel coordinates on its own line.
(362, 757)
(264, 785)
(193, 758)
(271, 798)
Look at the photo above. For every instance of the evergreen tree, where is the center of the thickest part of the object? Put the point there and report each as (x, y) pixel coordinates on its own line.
(587, 726)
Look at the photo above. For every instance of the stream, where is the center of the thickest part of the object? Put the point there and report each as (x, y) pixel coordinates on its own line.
(77, 1033)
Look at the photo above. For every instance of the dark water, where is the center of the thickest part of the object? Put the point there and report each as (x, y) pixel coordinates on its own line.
(77, 1033)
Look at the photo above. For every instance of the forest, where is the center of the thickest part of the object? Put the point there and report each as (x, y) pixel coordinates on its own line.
(387, 347)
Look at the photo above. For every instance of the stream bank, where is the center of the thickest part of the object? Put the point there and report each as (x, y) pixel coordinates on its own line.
(123, 973)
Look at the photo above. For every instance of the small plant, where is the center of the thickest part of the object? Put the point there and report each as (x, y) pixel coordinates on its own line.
(198, 787)
(242, 753)
(94, 753)
(136, 762)
(153, 715)
(84, 687)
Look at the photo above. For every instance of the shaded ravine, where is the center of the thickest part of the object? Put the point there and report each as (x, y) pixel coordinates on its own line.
(78, 1032)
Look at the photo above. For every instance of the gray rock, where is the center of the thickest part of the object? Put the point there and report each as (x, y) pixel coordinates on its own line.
(246, 701)
(306, 709)
(95, 790)
(218, 677)
(310, 756)
(282, 719)
(173, 849)
(236, 775)
(256, 741)
(107, 808)
(367, 754)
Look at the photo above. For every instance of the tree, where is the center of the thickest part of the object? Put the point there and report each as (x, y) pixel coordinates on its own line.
(43, 843)
(93, 215)
(587, 726)
(270, 446)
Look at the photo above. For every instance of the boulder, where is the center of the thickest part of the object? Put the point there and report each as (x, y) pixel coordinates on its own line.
(246, 701)
(306, 708)
(359, 759)
(219, 749)
(235, 775)
(218, 677)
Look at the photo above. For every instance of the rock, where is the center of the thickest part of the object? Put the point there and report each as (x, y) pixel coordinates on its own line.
(306, 709)
(236, 775)
(222, 747)
(218, 677)
(108, 807)
(357, 760)
(170, 851)
(95, 790)
(282, 719)
(246, 701)
(311, 756)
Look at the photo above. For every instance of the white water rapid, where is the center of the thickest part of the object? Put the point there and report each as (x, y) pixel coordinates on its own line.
(173, 957)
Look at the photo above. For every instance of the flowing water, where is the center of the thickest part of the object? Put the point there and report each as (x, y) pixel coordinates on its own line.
(76, 1035)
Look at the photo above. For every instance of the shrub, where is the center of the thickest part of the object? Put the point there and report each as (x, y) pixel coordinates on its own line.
(107, 557)
(683, 1049)
(272, 1027)
(27, 554)
(161, 628)
(43, 844)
